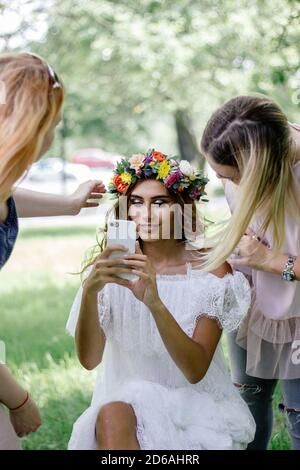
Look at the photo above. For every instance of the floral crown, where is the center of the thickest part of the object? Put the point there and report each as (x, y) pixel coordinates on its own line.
(178, 176)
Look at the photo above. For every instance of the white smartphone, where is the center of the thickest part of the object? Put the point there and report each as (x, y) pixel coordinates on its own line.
(122, 232)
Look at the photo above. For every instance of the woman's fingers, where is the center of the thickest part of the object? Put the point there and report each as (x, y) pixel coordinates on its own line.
(140, 273)
(136, 263)
(115, 271)
(115, 280)
(240, 262)
(135, 256)
(91, 204)
(109, 249)
(102, 263)
(95, 194)
(252, 234)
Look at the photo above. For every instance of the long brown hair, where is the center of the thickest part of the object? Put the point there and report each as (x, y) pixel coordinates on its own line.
(30, 109)
(192, 223)
(252, 134)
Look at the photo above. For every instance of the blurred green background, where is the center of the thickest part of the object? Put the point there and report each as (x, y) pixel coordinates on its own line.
(149, 73)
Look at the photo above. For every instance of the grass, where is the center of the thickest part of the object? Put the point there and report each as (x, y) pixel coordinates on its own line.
(54, 232)
(36, 295)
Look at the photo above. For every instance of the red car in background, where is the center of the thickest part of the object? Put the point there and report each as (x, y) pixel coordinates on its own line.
(95, 158)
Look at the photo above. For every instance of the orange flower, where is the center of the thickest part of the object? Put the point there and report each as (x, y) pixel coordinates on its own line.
(158, 156)
(119, 184)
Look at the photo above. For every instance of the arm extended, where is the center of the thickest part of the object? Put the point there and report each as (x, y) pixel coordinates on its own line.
(38, 204)
(89, 336)
(192, 355)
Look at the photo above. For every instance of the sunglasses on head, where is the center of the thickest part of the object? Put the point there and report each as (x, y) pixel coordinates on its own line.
(52, 74)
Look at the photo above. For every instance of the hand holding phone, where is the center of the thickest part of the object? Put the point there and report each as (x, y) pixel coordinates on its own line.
(122, 232)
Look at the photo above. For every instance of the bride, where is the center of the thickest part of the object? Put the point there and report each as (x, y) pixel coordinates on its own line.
(162, 383)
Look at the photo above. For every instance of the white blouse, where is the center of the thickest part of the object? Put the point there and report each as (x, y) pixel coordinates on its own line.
(137, 368)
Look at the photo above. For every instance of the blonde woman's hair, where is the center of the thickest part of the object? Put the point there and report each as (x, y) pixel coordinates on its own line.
(252, 134)
(30, 108)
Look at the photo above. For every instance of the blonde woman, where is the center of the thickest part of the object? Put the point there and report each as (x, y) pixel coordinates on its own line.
(251, 145)
(31, 110)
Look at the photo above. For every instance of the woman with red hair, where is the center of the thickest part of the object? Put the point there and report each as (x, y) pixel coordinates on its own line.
(30, 108)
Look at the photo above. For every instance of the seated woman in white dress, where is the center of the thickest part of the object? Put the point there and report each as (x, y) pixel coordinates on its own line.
(162, 383)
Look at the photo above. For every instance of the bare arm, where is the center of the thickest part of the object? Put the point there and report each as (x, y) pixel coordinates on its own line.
(37, 204)
(25, 418)
(275, 265)
(254, 254)
(192, 355)
(89, 336)
(11, 392)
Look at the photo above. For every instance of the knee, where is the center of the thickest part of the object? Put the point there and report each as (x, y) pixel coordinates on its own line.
(113, 419)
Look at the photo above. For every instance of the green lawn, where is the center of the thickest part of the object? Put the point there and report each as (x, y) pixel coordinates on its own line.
(36, 295)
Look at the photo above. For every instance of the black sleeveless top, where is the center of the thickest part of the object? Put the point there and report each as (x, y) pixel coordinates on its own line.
(8, 232)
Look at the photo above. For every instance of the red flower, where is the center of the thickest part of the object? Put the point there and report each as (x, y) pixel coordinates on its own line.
(158, 156)
(119, 184)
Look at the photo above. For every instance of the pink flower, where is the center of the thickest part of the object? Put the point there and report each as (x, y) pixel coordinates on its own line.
(137, 161)
(172, 178)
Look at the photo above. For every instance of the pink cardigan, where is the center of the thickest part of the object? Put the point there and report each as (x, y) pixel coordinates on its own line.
(272, 326)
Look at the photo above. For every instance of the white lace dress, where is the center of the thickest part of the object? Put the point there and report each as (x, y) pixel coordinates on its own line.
(137, 369)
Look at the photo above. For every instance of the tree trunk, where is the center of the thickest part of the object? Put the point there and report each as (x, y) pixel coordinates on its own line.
(187, 141)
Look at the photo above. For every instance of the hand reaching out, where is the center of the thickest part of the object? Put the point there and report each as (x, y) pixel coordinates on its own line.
(93, 189)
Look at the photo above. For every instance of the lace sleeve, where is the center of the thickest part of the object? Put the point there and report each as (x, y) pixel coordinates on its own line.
(236, 302)
(226, 300)
(103, 311)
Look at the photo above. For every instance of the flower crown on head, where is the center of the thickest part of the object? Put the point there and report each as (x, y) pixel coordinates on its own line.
(177, 175)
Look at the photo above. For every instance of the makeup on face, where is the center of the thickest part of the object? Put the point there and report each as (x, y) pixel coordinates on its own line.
(144, 215)
(149, 207)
